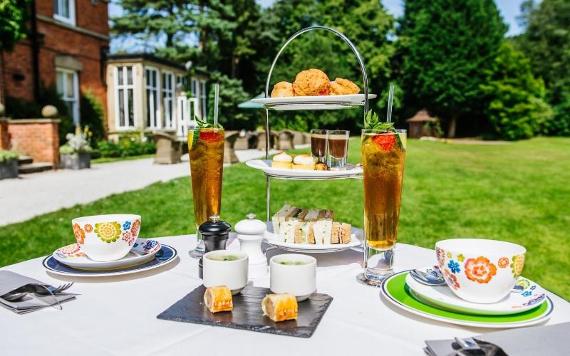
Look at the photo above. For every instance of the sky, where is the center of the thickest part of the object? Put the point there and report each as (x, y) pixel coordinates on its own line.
(510, 9)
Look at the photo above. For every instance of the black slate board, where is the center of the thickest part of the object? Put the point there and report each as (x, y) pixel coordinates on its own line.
(247, 314)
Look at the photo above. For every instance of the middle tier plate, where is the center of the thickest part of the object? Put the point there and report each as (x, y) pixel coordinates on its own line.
(265, 166)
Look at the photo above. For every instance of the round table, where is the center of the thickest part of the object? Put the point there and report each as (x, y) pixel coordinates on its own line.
(117, 315)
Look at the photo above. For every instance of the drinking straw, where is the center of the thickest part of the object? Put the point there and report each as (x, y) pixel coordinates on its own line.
(216, 102)
(390, 102)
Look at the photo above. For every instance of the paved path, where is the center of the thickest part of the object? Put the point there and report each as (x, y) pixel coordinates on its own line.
(40, 193)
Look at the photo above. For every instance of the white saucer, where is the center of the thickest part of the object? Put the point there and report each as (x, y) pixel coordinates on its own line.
(142, 251)
(526, 295)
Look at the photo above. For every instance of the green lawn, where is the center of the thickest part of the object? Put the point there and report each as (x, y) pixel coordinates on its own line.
(518, 192)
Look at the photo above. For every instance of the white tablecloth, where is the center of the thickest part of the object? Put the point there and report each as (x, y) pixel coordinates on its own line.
(117, 316)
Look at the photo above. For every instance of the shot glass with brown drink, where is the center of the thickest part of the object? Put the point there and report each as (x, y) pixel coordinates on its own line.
(337, 148)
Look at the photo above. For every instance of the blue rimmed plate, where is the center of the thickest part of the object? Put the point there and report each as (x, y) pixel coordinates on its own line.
(143, 250)
(164, 256)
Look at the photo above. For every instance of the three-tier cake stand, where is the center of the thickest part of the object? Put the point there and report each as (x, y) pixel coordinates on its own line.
(310, 103)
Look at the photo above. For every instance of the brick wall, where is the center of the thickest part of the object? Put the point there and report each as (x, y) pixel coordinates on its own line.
(38, 138)
(17, 74)
(60, 39)
(4, 137)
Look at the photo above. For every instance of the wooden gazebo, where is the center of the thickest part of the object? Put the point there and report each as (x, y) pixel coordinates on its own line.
(420, 125)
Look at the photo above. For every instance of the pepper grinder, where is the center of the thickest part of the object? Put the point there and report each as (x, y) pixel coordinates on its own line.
(250, 233)
(215, 233)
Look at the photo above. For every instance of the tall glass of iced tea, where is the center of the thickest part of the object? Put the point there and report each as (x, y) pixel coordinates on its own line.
(206, 149)
(383, 156)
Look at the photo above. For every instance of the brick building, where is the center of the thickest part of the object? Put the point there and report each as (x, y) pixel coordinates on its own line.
(65, 48)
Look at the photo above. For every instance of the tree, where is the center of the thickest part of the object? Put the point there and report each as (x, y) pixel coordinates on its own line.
(546, 42)
(366, 23)
(517, 107)
(218, 37)
(447, 47)
(13, 17)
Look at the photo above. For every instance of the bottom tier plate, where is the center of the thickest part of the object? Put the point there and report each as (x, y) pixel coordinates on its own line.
(272, 239)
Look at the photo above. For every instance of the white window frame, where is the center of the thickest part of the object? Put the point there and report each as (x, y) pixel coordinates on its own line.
(125, 86)
(75, 92)
(154, 112)
(68, 20)
(167, 96)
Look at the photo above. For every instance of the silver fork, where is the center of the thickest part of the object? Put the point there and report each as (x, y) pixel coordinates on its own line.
(39, 289)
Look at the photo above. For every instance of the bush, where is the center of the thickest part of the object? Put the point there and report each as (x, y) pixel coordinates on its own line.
(517, 107)
(92, 115)
(7, 156)
(559, 125)
(128, 145)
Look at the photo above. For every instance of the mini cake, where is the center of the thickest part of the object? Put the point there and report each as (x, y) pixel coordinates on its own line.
(304, 162)
(218, 299)
(280, 307)
(282, 160)
(321, 166)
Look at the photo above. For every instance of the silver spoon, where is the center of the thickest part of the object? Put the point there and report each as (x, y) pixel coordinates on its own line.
(431, 277)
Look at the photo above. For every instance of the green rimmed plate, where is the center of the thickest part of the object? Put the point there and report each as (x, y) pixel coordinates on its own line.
(395, 291)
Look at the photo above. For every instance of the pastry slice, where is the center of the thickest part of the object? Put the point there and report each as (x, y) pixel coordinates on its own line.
(280, 307)
(311, 218)
(304, 162)
(287, 228)
(322, 230)
(335, 235)
(326, 214)
(279, 217)
(311, 234)
(302, 232)
(218, 299)
(345, 233)
(282, 160)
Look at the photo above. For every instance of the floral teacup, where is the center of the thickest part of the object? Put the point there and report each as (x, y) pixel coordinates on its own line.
(480, 270)
(106, 237)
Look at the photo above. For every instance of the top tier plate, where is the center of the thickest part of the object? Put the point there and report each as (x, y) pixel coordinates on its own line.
(325, 102)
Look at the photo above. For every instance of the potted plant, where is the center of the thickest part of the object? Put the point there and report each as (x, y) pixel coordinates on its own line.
(76, 153)
(8, 164)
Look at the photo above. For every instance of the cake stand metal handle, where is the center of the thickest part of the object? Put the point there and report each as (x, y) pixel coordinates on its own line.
(338, 34)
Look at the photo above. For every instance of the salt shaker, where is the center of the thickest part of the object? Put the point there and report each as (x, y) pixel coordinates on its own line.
(250, 233)
(215, 233)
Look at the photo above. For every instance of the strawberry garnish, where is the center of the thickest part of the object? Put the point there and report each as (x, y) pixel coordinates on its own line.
(210, 136)
(386, 142)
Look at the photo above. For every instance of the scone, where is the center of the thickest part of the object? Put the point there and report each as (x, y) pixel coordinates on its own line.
(304, 162)
(342, 86)
(282, 160)
(282, 89)
(311, 82)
